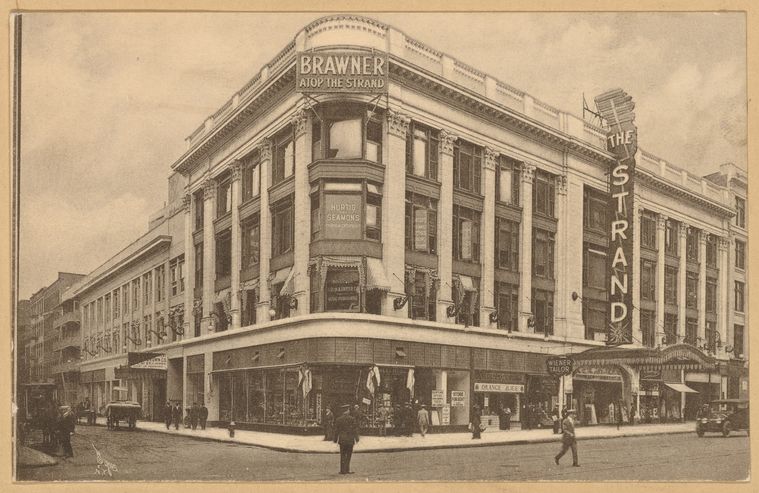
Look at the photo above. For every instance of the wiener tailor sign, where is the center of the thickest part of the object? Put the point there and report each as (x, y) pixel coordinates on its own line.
(616, 107)
(336, 71)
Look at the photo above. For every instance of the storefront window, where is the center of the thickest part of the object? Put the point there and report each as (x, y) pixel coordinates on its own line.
(421, 223)
(422, 151)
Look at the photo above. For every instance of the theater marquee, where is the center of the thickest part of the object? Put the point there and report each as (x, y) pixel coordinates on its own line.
(616, 107)
(341, 72)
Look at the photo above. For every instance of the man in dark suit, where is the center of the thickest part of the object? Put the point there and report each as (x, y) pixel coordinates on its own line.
(66, 425)
(346, 434)
(167, 414)
(203, 416)
(568, 440)
(176, 415)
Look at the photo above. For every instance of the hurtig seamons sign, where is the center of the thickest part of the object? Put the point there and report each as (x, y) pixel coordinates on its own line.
(341, 72)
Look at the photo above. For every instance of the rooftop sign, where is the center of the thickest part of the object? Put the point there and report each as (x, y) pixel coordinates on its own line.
(341, 71)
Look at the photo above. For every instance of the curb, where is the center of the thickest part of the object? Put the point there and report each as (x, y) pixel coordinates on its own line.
(548, 439)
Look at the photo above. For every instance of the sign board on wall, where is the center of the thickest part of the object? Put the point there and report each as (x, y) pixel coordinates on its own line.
(147, 361)
(458, 398)
(342, 216)
(341, 290)
(438, 398)
(616, 107)
(341, 71)
(559, 366)
(445, 415)
(509, 388)
(420, 229)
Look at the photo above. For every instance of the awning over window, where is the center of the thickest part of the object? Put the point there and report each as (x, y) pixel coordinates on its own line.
(249, 285)
(375, 275)
(288, 288)
(466, 283)
(221, 296)
(680, 387)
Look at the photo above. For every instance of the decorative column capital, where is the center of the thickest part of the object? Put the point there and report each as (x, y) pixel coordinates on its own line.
(209, 189)
(683, 231)
(186, 203)
(491, 158)
(723, 244)
(661, 221)
(447, 140)
(703, 238)
(236, 169)
(265, 150)
(528, 173)
(299, 121)
(397, 123)
(561, 184)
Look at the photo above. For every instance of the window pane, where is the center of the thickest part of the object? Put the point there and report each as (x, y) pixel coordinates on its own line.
(289, 159)
(466, 240)
(504, 189)
(345, 139)
(420, 154)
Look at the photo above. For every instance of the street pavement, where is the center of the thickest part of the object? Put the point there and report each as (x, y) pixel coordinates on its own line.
(143, 455)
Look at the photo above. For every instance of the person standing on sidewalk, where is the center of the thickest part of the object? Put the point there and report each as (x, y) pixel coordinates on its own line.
(476, 422)
(167, 414)
(556, 421)
(423, 419)
(346, 435)
(382, 420)
(194, 415)
(203, 416)
(176, 415)
(66, 425)
(568, 440)
(329, 424)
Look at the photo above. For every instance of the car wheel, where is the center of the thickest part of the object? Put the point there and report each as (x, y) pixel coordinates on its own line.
(726, 427)
(699, 431)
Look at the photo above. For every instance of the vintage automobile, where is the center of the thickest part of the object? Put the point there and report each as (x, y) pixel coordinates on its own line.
(116, 411)
(724, 416)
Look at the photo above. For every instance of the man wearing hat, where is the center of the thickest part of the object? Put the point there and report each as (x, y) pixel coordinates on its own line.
(346, 434)
(568, 440)
(422, 418)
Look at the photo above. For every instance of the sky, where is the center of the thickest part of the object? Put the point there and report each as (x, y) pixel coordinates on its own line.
(108, 99)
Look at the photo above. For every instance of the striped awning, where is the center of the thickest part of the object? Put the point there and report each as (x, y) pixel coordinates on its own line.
(375, 275)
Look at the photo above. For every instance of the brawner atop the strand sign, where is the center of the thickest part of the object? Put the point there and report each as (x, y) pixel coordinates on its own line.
(616, 107)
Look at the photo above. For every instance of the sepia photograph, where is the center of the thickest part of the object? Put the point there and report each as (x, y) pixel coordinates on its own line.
(380, 247)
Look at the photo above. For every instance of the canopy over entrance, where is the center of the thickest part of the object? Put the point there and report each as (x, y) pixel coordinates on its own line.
(676, 357)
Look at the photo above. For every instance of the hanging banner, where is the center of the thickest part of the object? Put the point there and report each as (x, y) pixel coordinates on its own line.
(341, 71)
(616, 107)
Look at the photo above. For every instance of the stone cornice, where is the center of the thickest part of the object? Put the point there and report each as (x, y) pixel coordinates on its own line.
(678, 192)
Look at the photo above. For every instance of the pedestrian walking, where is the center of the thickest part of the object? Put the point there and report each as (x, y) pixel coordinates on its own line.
(346, 435)
(618, 413)
(67, 425)
(176, 415)
(382, 414)
(408, 420)
(194, 415)
(507, 418)
(476, 422)
(423, 419)
(568, 440)
(203, 416)
(328, 422)
(632, 413)
(167, 414)
(556, 421)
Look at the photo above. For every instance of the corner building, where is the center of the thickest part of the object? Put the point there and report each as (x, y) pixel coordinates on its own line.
(419, 231)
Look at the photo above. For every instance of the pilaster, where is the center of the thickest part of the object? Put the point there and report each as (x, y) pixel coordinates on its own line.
(570, 243)
(301, 211)
(661, 224)
(702, 239)
(236, 168)
(209, 252)
(445, 224)
(723, 307)
(682, 279)
(189, 269)
(525, 253)
(487, 237)
(262, 310)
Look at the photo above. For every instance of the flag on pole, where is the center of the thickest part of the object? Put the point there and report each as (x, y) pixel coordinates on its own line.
(377, 375)
(306, 382)
(410, 381)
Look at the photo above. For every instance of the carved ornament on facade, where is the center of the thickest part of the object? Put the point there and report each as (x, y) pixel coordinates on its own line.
(447, 139)
(703, 238)
(528, 173)
(209, 189)
(561, 184)
(724, 244)
(397, 124)
(299, 121)
(661, 221)
(683, 231)
(236, 168)
(187, 203)
(491, 158)
(265, 150)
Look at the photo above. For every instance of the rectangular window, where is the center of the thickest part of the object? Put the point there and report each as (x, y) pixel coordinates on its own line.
(543, 194)
(691, 290)
(542, 310)
(670, 328)
(507, 244)
(648, 231)
(647, 280)
(282, 226)
(125, 298)
(711, 295)
(467, 166)
(107, 308)
(740, 254)
(647, 327)
(373, 141)
(691, 331)
(373, 212)
(198, 267)
(224, 197)
(740, 212)
(738, 341)
(594, 318)
(670, 285)
(251, 242)
(176, 271)
(542, 253)
(251, 177)
(466, 234)
(670, 238)
(160, 283)
(421, 223)
(507, 180)
(595, 205)
(282, 155)
(345, 138)
(422, 149)
(691, 244)
(711, 251)
(467, 302)
(135, 294)
(507, 305)
(422, 296)
(223, 254)
(739, 295)
(594, 268)
(197, 200)
(147, 289)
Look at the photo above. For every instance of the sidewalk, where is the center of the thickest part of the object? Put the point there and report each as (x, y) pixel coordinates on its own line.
(315, 444)
(29, 457)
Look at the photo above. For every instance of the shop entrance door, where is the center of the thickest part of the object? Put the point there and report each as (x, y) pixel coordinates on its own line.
(159, 399)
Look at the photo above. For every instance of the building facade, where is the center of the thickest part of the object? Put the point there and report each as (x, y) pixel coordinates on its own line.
(280, 279)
